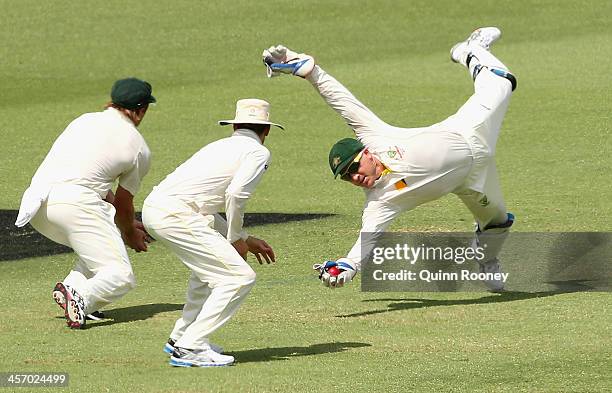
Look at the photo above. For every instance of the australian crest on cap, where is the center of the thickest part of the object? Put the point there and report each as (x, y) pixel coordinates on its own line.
(336, 161)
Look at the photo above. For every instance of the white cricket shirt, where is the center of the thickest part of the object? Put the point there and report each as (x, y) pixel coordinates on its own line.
(422, 164)
(95, 150)
(220, 177)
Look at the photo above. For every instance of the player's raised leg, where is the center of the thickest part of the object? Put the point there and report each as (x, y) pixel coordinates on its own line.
(493, 84)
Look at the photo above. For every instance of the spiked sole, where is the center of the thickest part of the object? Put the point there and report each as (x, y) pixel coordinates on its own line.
(59, 297)
(71, 309)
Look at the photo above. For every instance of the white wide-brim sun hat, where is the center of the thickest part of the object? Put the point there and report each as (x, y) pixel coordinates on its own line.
(251, 111)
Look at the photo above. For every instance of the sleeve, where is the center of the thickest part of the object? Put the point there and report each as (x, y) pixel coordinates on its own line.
(240, 189)
(376, 218)
(220, 225)
(131, 179)
(361, 119)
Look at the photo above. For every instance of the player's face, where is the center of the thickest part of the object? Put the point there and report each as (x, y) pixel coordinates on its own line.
(363, 173)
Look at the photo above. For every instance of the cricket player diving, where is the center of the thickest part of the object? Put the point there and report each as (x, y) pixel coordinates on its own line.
(402, 168)
(182, 213)
(70, 200)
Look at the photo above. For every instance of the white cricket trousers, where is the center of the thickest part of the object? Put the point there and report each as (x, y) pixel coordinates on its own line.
(220, 279)
(77, 217)
(481, 117)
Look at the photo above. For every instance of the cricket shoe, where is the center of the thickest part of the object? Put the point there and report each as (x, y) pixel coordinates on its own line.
(169, 347)
(74, 305)
(483, 37)
(492, 267)
(58, 296)
(182, 357)
(95, 316)
(301, 66)
(60, 299)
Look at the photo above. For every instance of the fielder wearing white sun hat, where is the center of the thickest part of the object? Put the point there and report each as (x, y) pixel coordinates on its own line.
(251, 111)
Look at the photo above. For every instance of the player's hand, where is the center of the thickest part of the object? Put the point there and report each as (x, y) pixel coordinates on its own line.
(278, 54)
(261, 249)
(347, 272)
(280, 59)
(241, 247)
(139, 225)
(136, 239)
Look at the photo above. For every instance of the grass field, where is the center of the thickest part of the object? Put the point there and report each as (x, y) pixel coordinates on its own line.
(292, 335)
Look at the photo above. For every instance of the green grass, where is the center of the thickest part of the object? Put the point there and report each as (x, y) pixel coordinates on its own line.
(59, 60)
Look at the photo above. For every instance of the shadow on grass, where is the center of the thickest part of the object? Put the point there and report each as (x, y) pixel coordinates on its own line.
(415, 303)
(133, 313)
(285, 353)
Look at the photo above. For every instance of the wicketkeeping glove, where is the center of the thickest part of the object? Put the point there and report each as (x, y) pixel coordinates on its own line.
(347, 272)
(279, 59)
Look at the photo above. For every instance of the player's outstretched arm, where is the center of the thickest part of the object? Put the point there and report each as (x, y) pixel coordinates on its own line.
(282, 60)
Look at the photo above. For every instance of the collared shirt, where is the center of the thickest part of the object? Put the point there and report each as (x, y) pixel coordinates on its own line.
(95, 150)
(220, 177)
(424, 163)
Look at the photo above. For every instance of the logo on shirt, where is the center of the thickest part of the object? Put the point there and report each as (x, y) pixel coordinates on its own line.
(395, 152)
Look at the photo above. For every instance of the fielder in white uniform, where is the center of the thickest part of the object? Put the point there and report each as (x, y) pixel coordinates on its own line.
(182, 213)
(401, 168)
(70, 199)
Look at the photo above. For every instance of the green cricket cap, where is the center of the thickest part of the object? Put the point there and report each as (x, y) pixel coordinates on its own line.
(343, 153)
(132, 93)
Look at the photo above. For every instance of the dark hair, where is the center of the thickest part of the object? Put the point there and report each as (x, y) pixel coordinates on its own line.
(259, 129)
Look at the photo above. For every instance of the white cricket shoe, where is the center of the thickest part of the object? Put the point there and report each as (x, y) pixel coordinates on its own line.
(182, 357)
(58, 296)
(60, 299)
(72, 303)
(483, 37)
(169, 347)
(492, 266)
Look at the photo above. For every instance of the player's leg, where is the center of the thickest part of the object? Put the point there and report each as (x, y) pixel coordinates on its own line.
(493, 85)
(493, 223)
(87, 225)
(212, 260)
(197, 293)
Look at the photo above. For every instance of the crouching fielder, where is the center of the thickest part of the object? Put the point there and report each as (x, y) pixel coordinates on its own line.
(70, 199)
(401, 168)
(182, 213)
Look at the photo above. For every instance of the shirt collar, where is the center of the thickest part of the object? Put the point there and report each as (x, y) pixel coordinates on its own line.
(248, 133)
(383, 175)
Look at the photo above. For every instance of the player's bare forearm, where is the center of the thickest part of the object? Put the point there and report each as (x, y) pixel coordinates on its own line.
(133, 236)
(110, 197)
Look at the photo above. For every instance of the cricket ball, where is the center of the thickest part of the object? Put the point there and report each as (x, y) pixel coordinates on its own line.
(333, 271)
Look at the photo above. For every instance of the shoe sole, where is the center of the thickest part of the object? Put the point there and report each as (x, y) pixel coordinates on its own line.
(476, 33)
(169, 349)
(59, 297)
(182, 363)
(71, 309)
